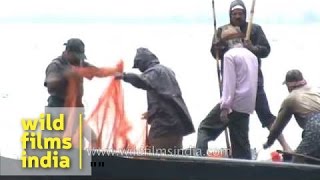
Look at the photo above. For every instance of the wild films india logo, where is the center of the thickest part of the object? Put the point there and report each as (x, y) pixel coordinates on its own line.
(44, 145)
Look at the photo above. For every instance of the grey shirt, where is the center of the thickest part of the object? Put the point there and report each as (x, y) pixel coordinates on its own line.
(56, 80)
(301, 103)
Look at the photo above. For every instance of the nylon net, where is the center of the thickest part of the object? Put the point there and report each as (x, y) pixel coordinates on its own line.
(108, 121)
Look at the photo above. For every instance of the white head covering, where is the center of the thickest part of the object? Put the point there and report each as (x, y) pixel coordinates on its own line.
(237, 7)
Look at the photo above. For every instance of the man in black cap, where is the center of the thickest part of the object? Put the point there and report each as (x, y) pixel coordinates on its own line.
(304, 103)
(60, 71)
(259, 46)
(167, 112)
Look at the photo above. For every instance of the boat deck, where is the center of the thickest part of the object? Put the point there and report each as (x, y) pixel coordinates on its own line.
(162, 167)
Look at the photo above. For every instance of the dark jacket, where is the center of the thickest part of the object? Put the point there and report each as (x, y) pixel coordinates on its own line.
(167, 111)
(257, 37)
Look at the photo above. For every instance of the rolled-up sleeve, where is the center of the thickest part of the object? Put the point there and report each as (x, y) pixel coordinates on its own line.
(53, 74)
(284, 116)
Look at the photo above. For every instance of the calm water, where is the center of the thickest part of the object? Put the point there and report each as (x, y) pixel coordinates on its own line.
(27, 49)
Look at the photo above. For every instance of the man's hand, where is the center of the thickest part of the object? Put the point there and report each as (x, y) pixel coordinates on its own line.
(219, 45)
(118, 75)
(224, 115)
(266, 145)
(287, 149)
(248, 44)
(144, 116)
(94, 144)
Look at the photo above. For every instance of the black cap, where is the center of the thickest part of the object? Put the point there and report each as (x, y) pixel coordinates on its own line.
(293, 76)
(76, 46)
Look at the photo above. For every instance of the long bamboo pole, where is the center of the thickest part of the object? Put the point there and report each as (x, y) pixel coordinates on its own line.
(249, 28)
(226, 131)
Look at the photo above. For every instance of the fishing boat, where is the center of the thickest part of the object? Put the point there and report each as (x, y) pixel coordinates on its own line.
(199, 168)
(148, 166)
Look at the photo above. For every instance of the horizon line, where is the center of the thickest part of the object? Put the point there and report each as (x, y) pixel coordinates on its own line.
(147, 20)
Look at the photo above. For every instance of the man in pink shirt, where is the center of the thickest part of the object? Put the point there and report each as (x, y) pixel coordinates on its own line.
(240, 78)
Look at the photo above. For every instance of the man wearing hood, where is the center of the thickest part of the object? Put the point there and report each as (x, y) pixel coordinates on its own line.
(259, 46)
(167, 112)
(304, 103)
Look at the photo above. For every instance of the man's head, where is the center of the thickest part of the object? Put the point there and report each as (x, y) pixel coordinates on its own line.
(238, 13)
(294, 79)
(144, 59)
(75, 49)
(232, 36)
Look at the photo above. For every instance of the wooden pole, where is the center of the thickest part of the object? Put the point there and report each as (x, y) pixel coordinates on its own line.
(226, 131)
(249, 28)
(299, 155)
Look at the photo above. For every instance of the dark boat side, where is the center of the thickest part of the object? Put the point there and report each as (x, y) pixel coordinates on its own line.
(161, 167)
(199, 168)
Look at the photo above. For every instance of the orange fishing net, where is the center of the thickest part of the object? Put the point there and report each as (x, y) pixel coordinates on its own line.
(108, 120)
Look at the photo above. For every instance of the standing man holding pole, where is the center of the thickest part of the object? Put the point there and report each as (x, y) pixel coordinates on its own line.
(258, 44)
(238, 97)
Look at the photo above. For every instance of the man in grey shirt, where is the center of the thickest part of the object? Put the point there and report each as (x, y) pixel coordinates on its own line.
(62, 71)
(303, 102)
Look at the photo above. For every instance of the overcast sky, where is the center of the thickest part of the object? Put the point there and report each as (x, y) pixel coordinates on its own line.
(176, 11)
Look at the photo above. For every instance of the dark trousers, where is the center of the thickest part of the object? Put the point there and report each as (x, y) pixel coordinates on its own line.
(262, 106)
(310, 144)
(211, 127)
(166, 145)
(55, 107)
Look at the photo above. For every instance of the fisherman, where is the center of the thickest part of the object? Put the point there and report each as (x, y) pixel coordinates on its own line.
(62, 69)
(238, 97)
(303, 102)
(167, 112)
(259, 46)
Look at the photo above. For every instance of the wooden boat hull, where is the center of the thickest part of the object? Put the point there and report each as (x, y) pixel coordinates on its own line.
(200, 168)
(186, 168)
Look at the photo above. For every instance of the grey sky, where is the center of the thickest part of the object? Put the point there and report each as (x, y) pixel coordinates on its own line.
(155, 11)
